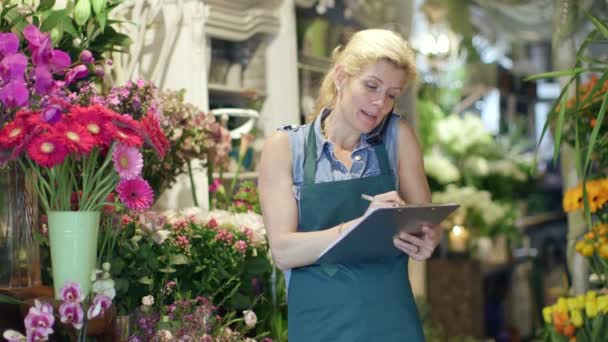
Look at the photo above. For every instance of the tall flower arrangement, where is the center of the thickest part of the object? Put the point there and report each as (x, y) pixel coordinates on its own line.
(580, 121)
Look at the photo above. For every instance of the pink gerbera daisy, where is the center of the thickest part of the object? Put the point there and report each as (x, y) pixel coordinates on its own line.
(47, 150)
(128, 161)
(75, 137)
(136, 194)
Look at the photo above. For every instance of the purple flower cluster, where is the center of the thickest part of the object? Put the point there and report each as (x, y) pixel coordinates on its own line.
(46, 61)
(33, 72)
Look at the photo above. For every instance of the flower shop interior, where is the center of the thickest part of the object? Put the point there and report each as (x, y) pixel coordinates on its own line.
(131, 134)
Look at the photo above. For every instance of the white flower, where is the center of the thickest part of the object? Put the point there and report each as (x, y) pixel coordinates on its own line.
(249, 339)
(13, 336)
(147, 300)
(477, 165)
(164, 335)
(440, 168)
(250, 318)
(104, 287)
(160, 236)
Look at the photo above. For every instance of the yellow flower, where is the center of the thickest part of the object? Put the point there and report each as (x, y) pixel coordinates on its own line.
(603, 250)
(562, 305)
(573, 199)
(587, 250)
(547, 313)
(576, 316)
(579, 246)
(591, 308)
(571, 303)
(590, 296)
(580, 302)
(602, 303)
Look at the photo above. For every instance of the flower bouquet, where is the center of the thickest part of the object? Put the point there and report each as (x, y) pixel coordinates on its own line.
(77, 155)
(582, 318)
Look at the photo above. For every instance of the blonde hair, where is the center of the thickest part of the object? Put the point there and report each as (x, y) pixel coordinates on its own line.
(365, 47)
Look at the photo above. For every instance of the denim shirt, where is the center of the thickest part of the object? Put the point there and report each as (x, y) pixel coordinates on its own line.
(329, 168)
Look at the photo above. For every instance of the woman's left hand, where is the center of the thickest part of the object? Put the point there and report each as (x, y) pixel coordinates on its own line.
(422, 247)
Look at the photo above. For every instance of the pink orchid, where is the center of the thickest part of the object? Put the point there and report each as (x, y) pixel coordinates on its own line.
(72, 313)
(100, 304)
(71, 292)
(40, 319)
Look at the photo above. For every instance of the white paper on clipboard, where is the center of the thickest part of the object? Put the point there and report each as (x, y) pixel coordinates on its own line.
(371, 239)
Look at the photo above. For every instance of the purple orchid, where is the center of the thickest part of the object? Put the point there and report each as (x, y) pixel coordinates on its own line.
(59, 61)
(39, 320)
(13, 66)
(52, 115)
(71, 291)
(86, 57)
(39, 43)
(14, 94)
(78, 72)
(43, 80)
(9, 44)
(72, 313)
(100, 304)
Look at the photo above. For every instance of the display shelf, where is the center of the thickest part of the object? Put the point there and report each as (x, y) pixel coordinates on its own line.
(222, 90)
(314, 64)
(240, 20)
(247, 175)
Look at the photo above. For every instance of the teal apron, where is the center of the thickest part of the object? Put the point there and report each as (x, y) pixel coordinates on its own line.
(354, 302)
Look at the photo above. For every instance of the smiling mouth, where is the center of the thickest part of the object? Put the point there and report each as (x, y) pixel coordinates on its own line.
(368, 114)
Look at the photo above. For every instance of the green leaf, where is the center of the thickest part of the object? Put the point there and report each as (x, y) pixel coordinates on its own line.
(146, 280)
(6, 9)
(599, 25)
(45, 5)
(594, 133)
(98, 6)
(56, 34)
(558, 129)
(179, 259)
(552, 111)
(82, 12)
(54, 19)
(68, 26)
(167, 270)
(9, 300)
(101, 19)
(554, 74)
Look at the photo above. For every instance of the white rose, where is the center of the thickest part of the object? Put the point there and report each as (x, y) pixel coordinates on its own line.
(250, 318)
(147, 300)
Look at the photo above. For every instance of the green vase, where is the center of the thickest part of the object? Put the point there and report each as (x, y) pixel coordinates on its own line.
(73, 238)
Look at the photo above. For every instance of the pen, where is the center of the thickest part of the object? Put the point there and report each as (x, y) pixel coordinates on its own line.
(367, 197)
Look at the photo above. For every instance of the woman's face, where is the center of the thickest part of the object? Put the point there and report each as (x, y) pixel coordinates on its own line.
(366, 98)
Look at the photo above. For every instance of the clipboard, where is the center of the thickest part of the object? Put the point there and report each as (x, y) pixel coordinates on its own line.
(372, 238)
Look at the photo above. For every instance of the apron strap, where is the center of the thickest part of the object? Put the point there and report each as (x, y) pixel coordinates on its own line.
(310, 159)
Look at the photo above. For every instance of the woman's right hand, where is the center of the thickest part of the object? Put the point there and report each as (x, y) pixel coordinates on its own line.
(389, 199)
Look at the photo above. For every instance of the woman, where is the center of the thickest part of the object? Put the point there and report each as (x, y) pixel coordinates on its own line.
(311, 181)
